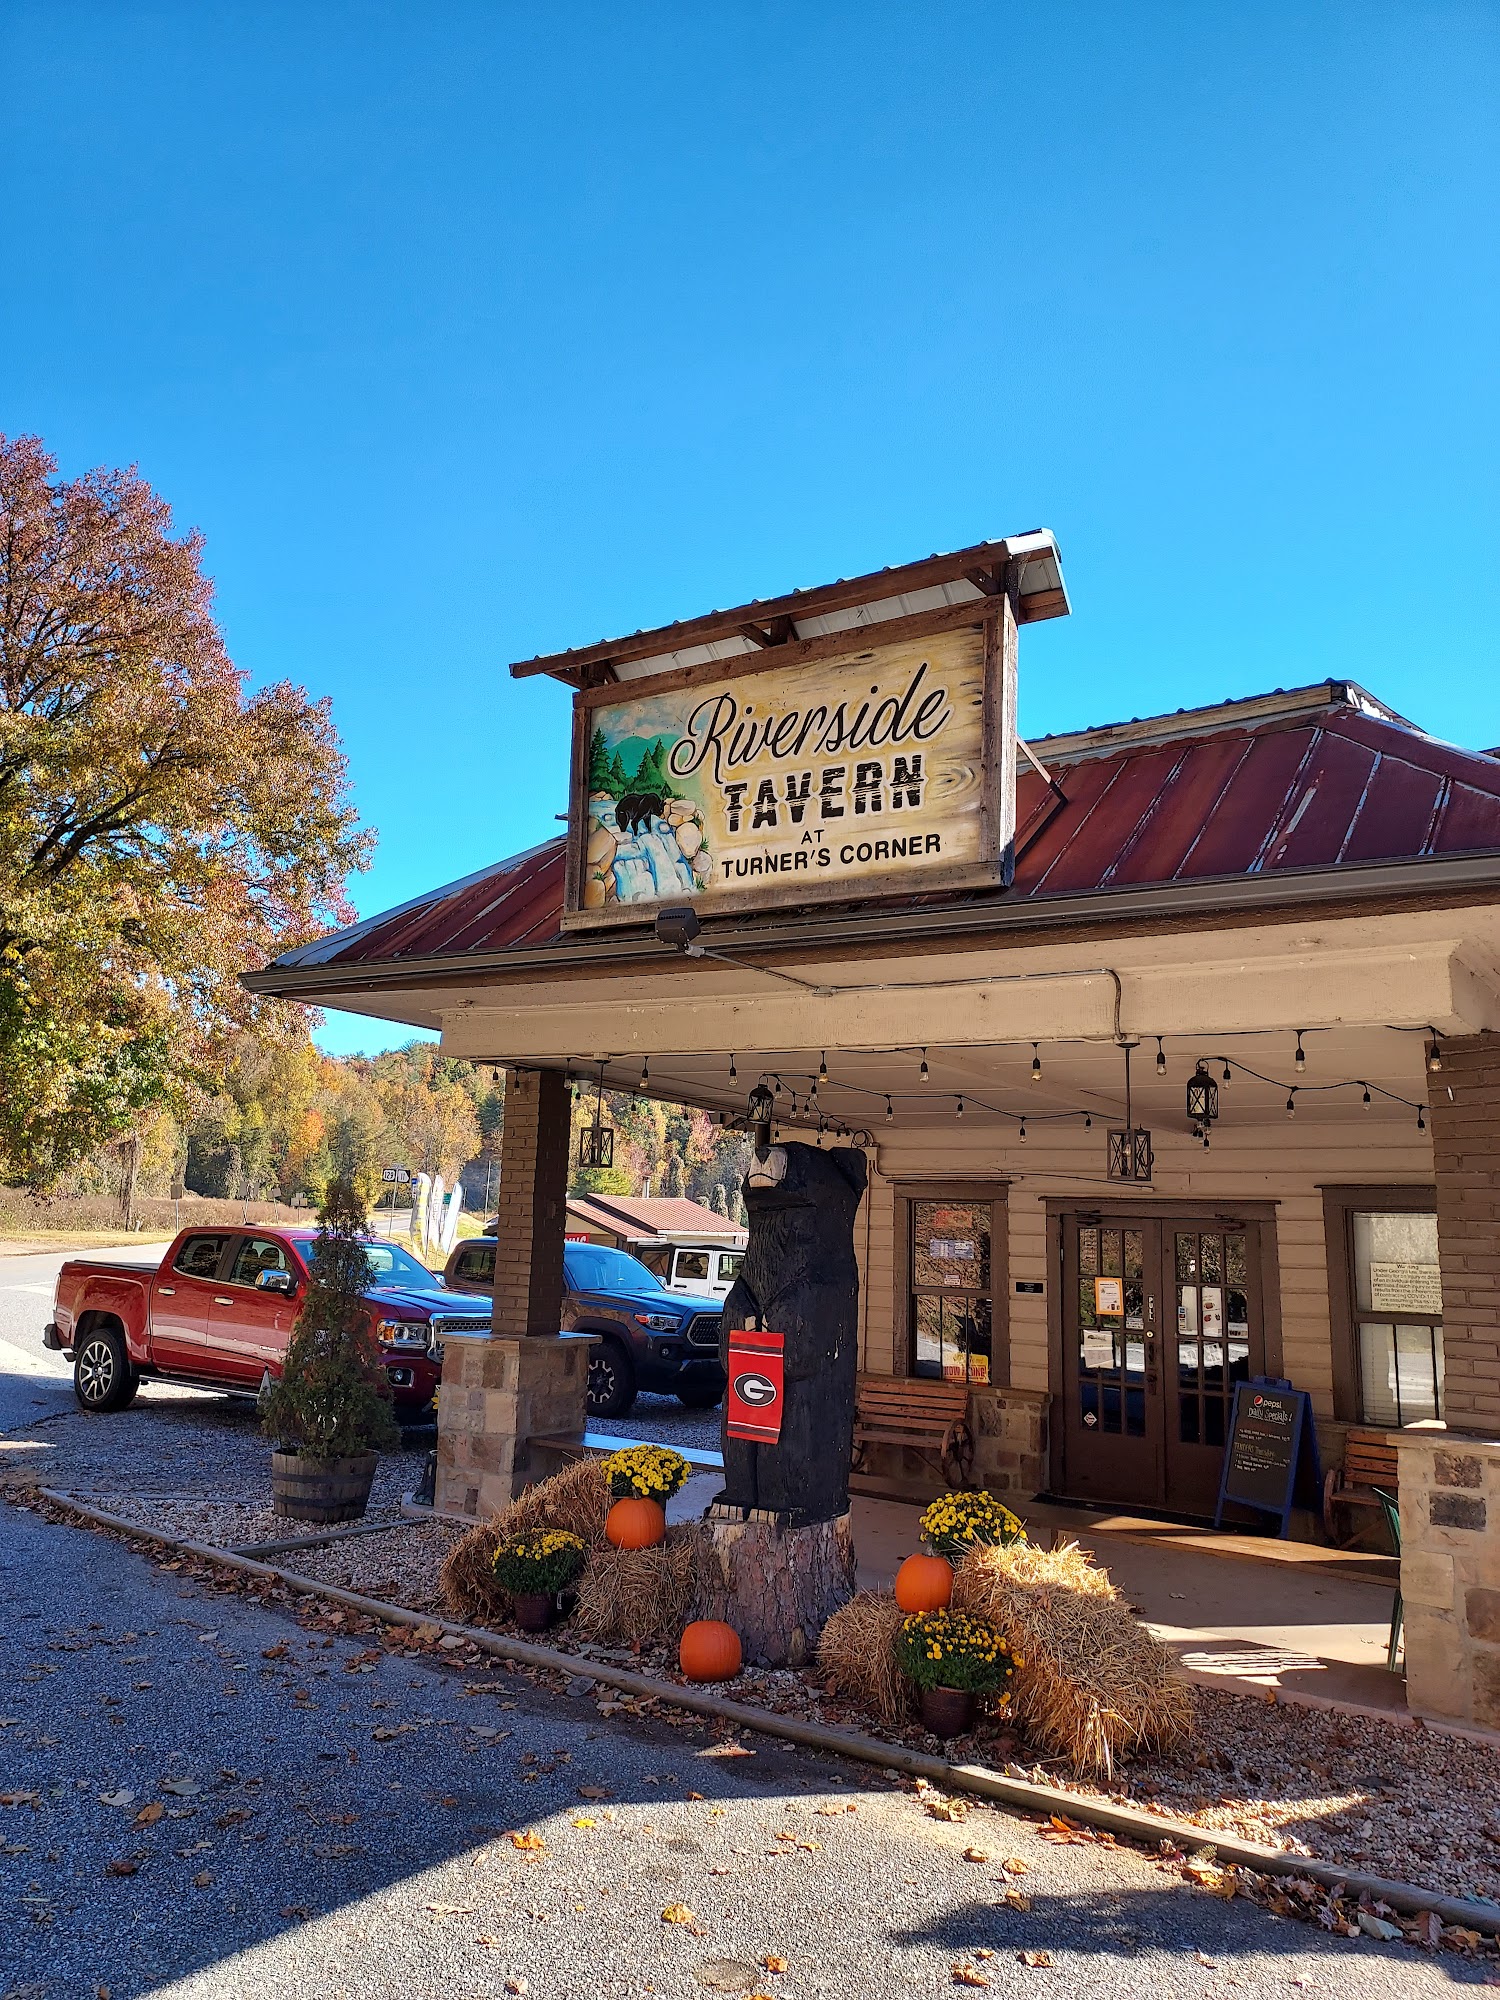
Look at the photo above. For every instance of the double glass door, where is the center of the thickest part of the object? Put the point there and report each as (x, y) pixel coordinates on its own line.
(1161, 1319)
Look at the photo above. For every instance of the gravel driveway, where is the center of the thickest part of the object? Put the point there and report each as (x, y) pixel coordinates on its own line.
(297, 1853)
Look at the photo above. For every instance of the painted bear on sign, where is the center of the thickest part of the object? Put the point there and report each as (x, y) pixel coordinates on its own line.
(800, 1279)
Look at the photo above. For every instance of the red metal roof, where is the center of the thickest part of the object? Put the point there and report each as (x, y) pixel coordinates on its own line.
(1328, 782)
(652, 1215)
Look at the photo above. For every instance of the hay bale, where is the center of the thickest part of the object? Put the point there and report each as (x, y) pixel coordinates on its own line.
(577, 1498)
(1095, 1685)
(644, 1597)
(858, 1653)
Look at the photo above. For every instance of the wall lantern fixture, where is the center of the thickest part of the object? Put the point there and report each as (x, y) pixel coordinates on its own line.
(596, 1142)
(760, 1109)
(1129, 1157)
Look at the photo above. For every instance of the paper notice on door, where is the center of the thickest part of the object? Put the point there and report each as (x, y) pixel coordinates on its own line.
(1406, 1288)
(1109, 1297)
(1213, 1309)
(1098, 1347)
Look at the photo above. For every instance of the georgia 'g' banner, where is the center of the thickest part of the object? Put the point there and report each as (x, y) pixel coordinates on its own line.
(756, 1393)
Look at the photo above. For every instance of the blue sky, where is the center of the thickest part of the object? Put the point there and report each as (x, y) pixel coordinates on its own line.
(470, 331)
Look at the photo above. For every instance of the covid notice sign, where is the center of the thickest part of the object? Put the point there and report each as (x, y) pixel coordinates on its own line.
(755, 1397)
(869, 772)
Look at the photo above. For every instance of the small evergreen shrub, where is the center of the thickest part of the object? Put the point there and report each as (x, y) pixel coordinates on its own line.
(333, 1400)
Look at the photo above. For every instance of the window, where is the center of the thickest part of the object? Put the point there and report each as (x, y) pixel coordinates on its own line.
(692, 1264)
(952, 1255)
(1398, 1304)
(199, 1256)
(257, 1254)
(729, 1265)
(590, 1267)
(477, 1262)
(1385, 1304)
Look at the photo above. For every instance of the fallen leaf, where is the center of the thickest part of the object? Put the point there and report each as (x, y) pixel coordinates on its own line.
(516, 1984)
(597, 1792)
(1016, 1899)
(203, 1880)
(117, 1798)
(490, 1943)
(774, 1962)
(450, 1642)
(297, 1911)
(949, 1809)
(182, 1788)
(226, 1820)
(528, 1842)
(1035, 1958)
(120, 1868)
(449, 1909)
(975, 1854)
(20, 1798)
(1014, 1866)
(276, 1652)
(582, 1821)
(678, 1913)
(965, 1974)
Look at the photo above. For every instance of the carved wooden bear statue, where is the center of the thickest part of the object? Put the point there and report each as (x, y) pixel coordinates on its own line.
(800, 1279)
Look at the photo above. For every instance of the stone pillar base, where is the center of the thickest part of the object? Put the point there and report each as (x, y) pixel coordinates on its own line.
(781, 1585)
(1450, 1574)
(498, 1393)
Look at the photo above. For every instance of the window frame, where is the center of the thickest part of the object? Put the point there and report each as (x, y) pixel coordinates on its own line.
(226, 1237)
(996, 1195)
(1340, 1206)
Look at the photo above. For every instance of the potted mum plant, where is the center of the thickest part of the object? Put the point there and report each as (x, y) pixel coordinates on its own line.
(642, 1479)
(329, 1416)
(958, 1522)
(534, 1568)
(953, 1661)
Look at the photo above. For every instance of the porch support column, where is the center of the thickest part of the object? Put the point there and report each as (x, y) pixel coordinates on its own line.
(1450, 1478)
(505, 1392)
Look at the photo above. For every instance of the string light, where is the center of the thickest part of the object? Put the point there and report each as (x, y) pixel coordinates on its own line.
(925, 1072)
(1088, 1123)
(1161, 1058)
(733, 1072)
(1291, 1103)
(960, 1112)
(1036, 1065)
(890, 1115)
(1434, 1053)
(1367, 1097)
(823, 1066)
(1421, 1119)
(645, 1072)
(1228, 1077)
(1299, 1061)
(1022, 1133)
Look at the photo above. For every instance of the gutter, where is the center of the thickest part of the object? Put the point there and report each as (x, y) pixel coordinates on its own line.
(1286, 889)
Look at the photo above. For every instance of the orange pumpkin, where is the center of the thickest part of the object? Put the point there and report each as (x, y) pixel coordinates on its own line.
(710, 1651)
(636, 1524)
(924, 1583)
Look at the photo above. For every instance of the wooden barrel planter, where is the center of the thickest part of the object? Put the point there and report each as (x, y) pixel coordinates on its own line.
(321, 1489)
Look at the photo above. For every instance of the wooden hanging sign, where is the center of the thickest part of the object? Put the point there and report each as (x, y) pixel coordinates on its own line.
(816, 770)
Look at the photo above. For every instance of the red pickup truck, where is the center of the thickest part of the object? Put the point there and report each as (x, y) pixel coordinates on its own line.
(219, 1309)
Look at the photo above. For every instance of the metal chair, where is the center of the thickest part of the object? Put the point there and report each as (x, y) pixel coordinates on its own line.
(1391, 1508)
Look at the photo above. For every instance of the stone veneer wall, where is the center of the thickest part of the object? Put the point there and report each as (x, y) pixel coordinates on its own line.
(498, 1394)
(1450, 1575)
(1009, 1427)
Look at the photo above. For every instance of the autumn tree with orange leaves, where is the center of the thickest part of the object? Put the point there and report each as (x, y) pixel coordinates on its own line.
(162, 825)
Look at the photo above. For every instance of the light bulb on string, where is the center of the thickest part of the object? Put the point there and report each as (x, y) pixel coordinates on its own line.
(1434, 1053)
(1299, 1061)
(890, 1115)
(1228, 1076)
(1088, 1123)
(733, 1072)
(1036, 1064)
(1161, 1058)
(645, 1072)
(1291, 1104)
(1367, 1099)
(959, 1112)
(1421, 1119)
(823, 1066)
(1021, 1135)
(925, 1073)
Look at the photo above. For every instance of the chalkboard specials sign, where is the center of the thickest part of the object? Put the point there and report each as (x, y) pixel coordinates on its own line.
(1271, 1460)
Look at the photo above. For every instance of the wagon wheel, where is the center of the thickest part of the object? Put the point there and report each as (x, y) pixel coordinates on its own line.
(958, 1455)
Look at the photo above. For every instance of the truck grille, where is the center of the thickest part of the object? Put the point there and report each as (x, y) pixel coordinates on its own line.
(459, 1323)
(703, 1330)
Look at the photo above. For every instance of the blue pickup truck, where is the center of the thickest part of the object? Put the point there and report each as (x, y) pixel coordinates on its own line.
(649, 1338)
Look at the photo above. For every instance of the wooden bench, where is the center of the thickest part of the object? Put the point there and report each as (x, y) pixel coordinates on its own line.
(928, 1417)
(1371, 1460)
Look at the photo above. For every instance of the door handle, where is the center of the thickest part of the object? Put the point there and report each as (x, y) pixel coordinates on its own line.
(166, 1291)
(223, 1302)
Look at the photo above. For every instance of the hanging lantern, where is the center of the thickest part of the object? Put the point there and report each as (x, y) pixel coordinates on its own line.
(760, 1109)
(1129, 1157)
(1202, 1097)
(596, 1142)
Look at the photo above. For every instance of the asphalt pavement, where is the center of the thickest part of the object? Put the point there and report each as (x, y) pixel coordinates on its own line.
(33, 1382)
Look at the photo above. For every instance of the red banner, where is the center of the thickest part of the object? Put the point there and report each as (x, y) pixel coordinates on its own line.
(753, 1401)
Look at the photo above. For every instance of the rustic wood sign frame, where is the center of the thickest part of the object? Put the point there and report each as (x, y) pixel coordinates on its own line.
(994, 620)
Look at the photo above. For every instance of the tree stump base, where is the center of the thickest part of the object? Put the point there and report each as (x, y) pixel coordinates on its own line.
(780, 1584)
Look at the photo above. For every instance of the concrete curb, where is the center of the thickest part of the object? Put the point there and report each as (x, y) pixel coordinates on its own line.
(1042, 1801)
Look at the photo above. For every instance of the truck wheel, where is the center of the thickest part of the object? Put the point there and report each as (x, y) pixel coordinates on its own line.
(103, 1379)
(698, 1399)
(611, 1380)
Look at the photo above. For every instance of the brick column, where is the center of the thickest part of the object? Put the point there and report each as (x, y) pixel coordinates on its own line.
(533, 1203)
(1464, 1097)
(507, 1395)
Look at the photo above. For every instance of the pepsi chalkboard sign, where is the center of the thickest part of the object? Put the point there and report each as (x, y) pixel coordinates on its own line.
(1271, 1460)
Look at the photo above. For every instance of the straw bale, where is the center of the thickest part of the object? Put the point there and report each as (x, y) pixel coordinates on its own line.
(577, 1498)
(1095, 1685)
(644, 1597)
(858, 1653)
